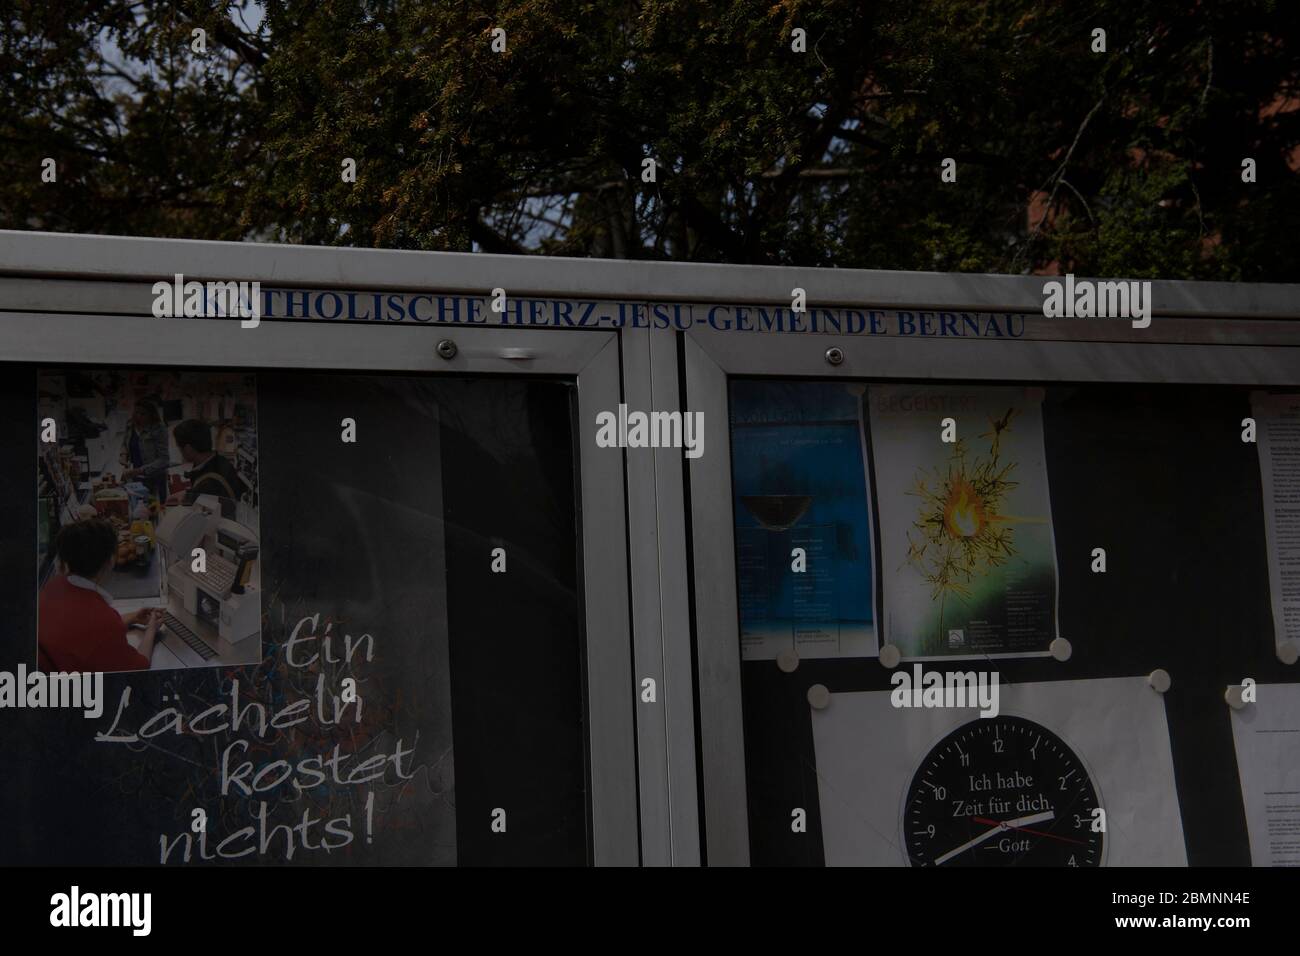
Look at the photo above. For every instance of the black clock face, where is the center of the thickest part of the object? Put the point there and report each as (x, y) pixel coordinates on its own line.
(1001, 791)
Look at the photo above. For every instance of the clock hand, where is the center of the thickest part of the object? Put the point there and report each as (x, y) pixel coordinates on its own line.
(1037, 818)
(1016, 823)
(1031, 818)
(968, 844)
(1054, 836)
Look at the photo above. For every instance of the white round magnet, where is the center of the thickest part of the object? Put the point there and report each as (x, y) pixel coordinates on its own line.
(788, 660)
(890, 655)
(1288, 651)
(1061, 649)
(1233, 696)
(1159, 680)
(819, 697)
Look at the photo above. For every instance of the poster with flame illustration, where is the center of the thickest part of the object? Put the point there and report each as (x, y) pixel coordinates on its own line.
(967, 555)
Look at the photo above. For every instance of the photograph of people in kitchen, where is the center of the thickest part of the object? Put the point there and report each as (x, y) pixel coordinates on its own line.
(148, 542)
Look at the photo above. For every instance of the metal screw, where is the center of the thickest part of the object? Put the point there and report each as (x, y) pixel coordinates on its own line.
(447, 349)
(835, 356)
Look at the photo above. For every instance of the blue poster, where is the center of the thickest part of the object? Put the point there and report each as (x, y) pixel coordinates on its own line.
(803, 520)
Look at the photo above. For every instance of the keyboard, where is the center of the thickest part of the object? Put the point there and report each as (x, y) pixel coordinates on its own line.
(218, 577)
(188, 637)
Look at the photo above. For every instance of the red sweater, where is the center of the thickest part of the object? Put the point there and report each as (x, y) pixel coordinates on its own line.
(79, 631)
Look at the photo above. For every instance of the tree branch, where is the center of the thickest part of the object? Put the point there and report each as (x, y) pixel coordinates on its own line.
(1058, 176)
(492, 241)
(819, 172)
(241, 43)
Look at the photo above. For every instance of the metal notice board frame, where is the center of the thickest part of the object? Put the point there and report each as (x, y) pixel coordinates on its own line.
(659, 575)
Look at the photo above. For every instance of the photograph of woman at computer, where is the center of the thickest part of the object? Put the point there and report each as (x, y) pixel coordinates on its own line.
(149, 535)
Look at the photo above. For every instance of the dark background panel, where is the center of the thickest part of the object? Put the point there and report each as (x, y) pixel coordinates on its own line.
(1159, 477)
(516, 652)
(348, 530)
